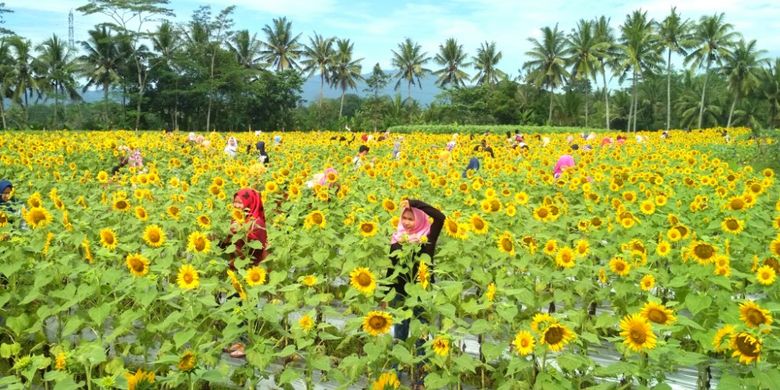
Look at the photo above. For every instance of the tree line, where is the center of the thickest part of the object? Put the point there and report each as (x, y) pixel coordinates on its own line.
(204, 74)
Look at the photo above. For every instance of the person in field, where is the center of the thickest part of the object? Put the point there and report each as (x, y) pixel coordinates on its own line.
(357, 161)
(252, 228)
(8, 208)
(565, 162)
(263, 157)
(414, 228)
(232, 147)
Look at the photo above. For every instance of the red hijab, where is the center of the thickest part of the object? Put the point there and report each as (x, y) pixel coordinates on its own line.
(253, 206)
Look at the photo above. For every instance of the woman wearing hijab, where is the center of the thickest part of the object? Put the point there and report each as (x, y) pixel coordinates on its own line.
(263, 155)
(565, 162)
(6, 191)
(232, 147)
(414, 227)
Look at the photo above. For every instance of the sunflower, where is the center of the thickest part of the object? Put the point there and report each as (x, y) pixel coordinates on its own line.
(388, 205)
(541, 321)
(188, 278)
(542, 213)
(774, 246)
(187, 361)
(511, 211)
(61, 361)
(619, 266)
(550, 247)
(451, 227)
(746, 347)
(236, 285)
(173, 212)
(306, 323)
(506, 243)
(565, 257)
(490, 292)
(703, 252)
(315, 218)
(647, 283)
(423, 275)
(377, 322)
(271, 187)
(556, 336)
(87, 251)
(141, 379)
(766, 275)
(363, 280)
(637, 333)
(478, 225)
(255, 276)
(717, 341)
(197, 242)
(524, 343)
(582, 248)
(673, 235)
(441, 346)
(121, 204)
(753, 315)
(658, 314)
(137, 264)
(663, 248)
(603, 276)
(108, 238)
(368, 228)
(736, 203)
(37, 217)
(309, 280)
(388, 380)
(154, 236)
(647, 207)
(141, 214)
(203, 221)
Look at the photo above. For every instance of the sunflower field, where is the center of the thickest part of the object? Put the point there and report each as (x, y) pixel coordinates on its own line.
(653, 252)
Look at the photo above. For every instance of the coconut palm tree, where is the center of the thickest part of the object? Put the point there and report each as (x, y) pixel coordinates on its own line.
(485, 62)
(641, 55)
(57, 70)
(609, 56)
(345, 71)
(451, 57)
(712, 40)
(25, 83)
(246, 49)
(100, 63)
(168, 43)
(548, 62)
(409, 60)
(584, 51)
(318, 56)
(6, 76)
(673, 34)
(742, 67)
(770, 90)
(282, 49)
(688, 104)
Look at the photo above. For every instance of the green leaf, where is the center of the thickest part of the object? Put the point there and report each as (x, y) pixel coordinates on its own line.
(73, 325)
(288, 375)
(402, 354)
(182, 337)
(98, 314)
(507, 312)
(465, 363)
(321, 363)
(435, 381)
(696, 302)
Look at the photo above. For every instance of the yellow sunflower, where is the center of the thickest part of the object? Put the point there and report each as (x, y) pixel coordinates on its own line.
(37, 217)
(663, 248)
(550, 247)
(619, 266)
(377, 323)
(137, 264)
(154, 236)
(309, 280)
(521, 198)
(188, 278)
(766, 275)
(388, 380)
(315, 218)
(141, 214)
(720, 335)
(236, 285)
(774, 247)
(541, 321)
(363, 280)
(565, 257)
(524, 343)
(306, 323)
(140, 380)
(173, 212)
(647, 207)
(702, 252)
(753, 315)
(746, 347)
(657, 313)
(187, 361)
(203, 221)
(388, 205)
(441, 346)
(478, 225)
(582, 248)
(255, 276)
(423, 275)
(197, 242)
(637, 333)
(556, 336)
(506, 243)
(368, 228)
(490, 292)
(121, 204)
(108, 238)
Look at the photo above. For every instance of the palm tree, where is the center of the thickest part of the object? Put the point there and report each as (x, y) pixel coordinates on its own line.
(245, 48)
(318, 57)
(584, 52)
(548, 65)
(713, 38)
(688, 104)
(608, 56)
(25, 83)
(770, 89)
(742, 67)
(409, 60)
(168, 43)
(57, 71)
(281, 47)
(673, 33)
(485, 62)
(345, 71)
(451, 57)
(100, 63)
(6, 76)
(640, 47)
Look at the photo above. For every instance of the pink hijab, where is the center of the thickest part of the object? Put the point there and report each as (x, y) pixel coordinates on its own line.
(421, 227)
(566, 161)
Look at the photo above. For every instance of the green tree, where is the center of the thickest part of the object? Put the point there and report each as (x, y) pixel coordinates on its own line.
(742, 67)
(6, 76)
(673, 34)
(548, 63)
(345, 71)
(409, 60)
(3, 30)
(168, 43)
(712, 39)
(100, 63)
(318, 57)
(377, 81)
(608, 56)
(282, 49)
(584, 50)
(770, 90)
(485, 62)
(23, 73)
(123, 13)
(246, 48)
(641, 55)
(57, 72)
(452, 59)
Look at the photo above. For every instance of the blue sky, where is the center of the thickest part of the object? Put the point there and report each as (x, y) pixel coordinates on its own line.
(377, 27)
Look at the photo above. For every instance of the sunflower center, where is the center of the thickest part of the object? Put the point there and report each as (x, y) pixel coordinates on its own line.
(506, 243)
(367, 227)
(553, 335)
(363, 279)
(747, 345)
(138, 266)
(657, 316)
(188, 278)
(737, 204)
(317, 218)
(620, 266)
(200, 244)
(38, 216)
(109, 238)
(525, 342)
(377, 322)
(755, 317)
(704, 251)
(154, 236)
(543, 213)
(732, 224)
(121, 205)
(479, 224)
(638, 336)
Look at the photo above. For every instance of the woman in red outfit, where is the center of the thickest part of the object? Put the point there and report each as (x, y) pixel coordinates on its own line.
(249, 200)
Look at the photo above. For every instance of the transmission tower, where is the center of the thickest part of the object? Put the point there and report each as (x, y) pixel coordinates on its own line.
(71, 40)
